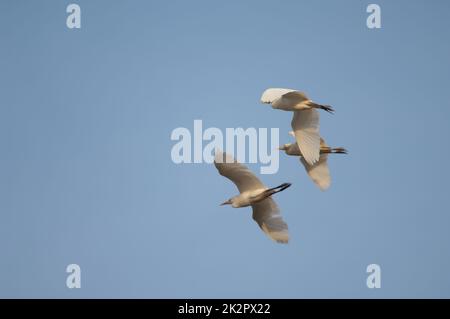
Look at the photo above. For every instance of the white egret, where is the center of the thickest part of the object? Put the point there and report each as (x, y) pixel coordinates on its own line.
(254, 193)
(319, 171)
(305, 121)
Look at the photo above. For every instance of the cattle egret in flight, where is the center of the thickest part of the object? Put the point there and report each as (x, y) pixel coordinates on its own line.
(254, 193)
(305, 121)
(319, 171)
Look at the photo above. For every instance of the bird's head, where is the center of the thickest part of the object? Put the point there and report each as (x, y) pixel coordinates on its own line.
(284, 147)
(228, 202)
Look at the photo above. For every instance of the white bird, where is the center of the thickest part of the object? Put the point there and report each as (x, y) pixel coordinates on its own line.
(254, 193)
(319, 171)
(305, 121)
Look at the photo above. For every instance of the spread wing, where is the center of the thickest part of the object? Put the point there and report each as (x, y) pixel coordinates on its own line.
(294, 97)
(319, 171)
(290, 101)
(273, 94)
(305, 124)
(238, 173)
(267, 214)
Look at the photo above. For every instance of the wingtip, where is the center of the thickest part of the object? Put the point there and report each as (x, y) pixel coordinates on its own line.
(323, 188)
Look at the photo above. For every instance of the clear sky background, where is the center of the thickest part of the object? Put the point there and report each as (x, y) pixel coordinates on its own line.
(86, 175)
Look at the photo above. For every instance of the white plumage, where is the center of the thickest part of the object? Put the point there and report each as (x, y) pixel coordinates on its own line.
(305, 125)
(254, 193)
(305, 120)
(319, 171)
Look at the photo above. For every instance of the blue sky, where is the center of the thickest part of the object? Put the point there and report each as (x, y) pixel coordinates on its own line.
(86, 175)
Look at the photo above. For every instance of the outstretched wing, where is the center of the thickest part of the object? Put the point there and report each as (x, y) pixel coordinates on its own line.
(238, 173)
(305, 124)
(273, 94)
(293, 98)
(267, 214)
(319, 171)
